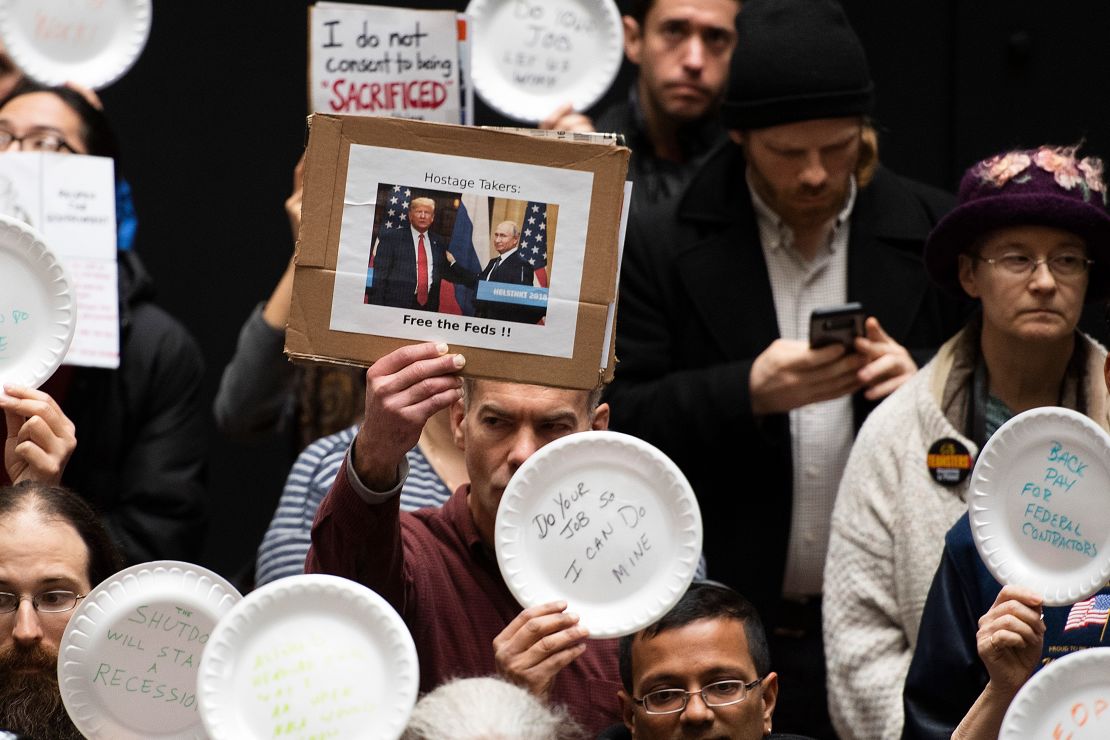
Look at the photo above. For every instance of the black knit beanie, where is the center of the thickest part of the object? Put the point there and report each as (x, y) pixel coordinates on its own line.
(795, 60)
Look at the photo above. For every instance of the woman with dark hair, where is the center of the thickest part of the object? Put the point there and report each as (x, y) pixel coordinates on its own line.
(141, 457)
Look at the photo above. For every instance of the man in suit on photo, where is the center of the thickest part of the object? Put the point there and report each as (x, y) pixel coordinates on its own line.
(509, 266)
(410, 263)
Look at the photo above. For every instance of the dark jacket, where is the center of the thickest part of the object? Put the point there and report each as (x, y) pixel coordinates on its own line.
(514, 270)
(946, 675)
(141, 438)
(696, 309)
(655, 180)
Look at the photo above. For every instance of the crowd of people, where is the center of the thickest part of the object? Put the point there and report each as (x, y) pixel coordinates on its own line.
(847, 597)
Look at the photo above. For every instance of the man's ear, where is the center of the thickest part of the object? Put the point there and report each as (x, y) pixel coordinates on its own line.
(966, 272)
(1106, 371)
(458, 413)
(770, 696)
(633, 39)
(628, 711)
(737, 137)
(601, 418)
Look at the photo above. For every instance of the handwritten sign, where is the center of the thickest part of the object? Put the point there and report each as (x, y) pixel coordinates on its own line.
(1089, 718)
(36, 307)
(10, 330)
(310, 656)
(1069, 699)
(310, 684)
(1050, 516)
(610, 534)
(146, 667)
(70, 200)
(534, 55)
(604, 521)
(370, 60)
(91, 42)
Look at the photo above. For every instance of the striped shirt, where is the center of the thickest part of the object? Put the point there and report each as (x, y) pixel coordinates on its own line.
(286, 542)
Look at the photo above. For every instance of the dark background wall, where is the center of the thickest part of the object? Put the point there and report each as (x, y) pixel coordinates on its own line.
(212, 120)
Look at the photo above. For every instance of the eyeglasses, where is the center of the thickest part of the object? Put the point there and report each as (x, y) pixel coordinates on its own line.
(718, 694)
(1062, 265)
(49, 602)
(44, 140)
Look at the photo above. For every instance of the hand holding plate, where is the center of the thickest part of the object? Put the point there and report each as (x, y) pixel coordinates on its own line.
(565, 118)
(539, 643)
(40, 437)
(1010, 638)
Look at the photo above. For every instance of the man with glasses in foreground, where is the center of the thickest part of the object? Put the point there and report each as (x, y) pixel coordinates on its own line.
(53, 550)
(703, 670)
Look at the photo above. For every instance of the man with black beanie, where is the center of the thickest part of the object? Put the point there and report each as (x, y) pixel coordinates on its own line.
(794, 213)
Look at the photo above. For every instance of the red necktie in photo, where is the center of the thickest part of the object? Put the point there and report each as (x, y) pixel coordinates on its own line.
(421, 273)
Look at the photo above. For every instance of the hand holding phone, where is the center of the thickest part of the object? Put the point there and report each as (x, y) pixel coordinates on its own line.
(836, 325)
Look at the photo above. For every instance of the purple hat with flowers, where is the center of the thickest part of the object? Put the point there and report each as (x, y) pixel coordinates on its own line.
(1034, 187)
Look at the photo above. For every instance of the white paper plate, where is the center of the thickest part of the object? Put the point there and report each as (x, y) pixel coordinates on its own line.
(604, 521)
(129, 660)
(90, 42)
(1040, 504)
(37, 309)
(1068, 698)
(309, 656)
(531, 57)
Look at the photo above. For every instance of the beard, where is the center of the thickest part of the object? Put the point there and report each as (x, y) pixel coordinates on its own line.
(30, 701)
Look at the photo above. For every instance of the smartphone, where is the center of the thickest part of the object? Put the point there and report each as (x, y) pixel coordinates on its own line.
(836, 325)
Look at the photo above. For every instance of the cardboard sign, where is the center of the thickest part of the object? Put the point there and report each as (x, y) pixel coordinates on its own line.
(71, 201)
(502, 245)
(371, 60)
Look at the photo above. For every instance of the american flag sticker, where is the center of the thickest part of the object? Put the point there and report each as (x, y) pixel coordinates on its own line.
(1093, 611)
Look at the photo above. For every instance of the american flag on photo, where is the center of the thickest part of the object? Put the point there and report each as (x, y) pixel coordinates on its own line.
(396, 213)
(533, 240)
(1093, 611)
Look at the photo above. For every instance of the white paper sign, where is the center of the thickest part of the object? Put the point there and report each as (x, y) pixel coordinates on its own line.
(554, 204)
(371, 60)
(70, 200)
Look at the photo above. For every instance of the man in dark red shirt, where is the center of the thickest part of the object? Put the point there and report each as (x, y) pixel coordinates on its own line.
(437, 566)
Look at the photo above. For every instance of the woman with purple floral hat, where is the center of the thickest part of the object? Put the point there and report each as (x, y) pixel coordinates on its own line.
(1030, 241)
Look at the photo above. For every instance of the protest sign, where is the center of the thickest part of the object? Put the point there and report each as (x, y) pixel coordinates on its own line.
(70, 200)
(1039, 503)
(532, 56)
(519, 237)
(604, 521)
(90, 42)
(373, 60)
(129, 658)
